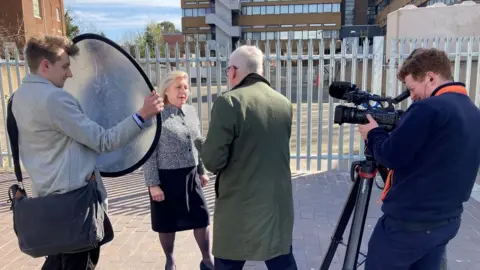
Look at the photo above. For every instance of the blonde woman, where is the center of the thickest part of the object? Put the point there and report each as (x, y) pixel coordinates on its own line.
(175, 174)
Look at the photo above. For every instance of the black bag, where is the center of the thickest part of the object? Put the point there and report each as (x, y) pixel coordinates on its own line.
(61, 223)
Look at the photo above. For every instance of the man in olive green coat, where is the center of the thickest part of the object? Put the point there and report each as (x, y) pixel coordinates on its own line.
(248, 147)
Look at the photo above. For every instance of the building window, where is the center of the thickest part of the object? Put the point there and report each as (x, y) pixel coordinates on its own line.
(327, 8)
(292, 9)
(187, 12)
(36, 8)
(298, 9)
(58, 15)
(270, 10)
(335, 7)
(194, 12)
(297, 35)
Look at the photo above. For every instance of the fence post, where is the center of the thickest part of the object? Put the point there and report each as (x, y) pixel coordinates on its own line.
(377, 64)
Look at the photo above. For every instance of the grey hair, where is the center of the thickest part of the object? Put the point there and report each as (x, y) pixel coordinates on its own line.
(248, 59)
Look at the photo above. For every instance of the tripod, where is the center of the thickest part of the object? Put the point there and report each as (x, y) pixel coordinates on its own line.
(358, 199)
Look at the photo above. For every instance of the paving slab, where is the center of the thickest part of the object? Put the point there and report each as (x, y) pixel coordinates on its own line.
(318, 196)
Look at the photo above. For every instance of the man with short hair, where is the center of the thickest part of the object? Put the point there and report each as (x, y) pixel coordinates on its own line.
(248, 147)
(58, 143)
(434, 157)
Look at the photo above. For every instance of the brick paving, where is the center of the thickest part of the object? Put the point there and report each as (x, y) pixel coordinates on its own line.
(319, 198)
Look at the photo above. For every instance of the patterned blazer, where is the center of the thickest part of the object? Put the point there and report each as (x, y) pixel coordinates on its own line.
(175, 149)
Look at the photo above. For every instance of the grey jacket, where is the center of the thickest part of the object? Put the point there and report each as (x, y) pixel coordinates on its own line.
(58, 143)
(176, 148)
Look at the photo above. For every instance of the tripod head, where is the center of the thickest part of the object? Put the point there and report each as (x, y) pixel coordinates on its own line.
(354, 168)
(366, 152)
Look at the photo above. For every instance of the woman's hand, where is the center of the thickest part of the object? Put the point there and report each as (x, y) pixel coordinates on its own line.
(204, 180)
(157, 193)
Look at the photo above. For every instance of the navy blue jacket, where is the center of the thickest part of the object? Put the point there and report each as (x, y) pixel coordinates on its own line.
(435, 154)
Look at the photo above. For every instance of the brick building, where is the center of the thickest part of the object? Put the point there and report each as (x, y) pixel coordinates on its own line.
(173, 38)
(30, 17)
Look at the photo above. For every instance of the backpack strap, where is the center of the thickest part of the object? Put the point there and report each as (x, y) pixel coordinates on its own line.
(12, 130)
(16, 191)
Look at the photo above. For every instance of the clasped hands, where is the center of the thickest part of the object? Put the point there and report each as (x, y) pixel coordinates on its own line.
(364, 129)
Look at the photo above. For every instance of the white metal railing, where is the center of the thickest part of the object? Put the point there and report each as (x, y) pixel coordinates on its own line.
(293, 69)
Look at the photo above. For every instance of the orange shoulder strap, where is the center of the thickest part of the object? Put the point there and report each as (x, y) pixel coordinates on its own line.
(388, 185)
(452, 89)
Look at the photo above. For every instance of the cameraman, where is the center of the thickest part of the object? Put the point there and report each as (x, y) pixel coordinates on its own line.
(434, 157)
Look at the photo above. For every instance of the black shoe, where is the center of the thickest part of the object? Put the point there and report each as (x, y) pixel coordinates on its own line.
(173, 267)
(203, 266)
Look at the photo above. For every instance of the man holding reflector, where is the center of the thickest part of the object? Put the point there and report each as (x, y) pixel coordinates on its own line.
(59, 146)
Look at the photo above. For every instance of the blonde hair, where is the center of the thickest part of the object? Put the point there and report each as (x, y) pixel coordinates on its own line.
(167, 82)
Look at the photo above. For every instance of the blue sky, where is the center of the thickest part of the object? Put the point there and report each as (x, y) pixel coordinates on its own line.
(117, 18)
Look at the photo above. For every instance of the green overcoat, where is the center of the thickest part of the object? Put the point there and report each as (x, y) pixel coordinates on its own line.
(248, 147)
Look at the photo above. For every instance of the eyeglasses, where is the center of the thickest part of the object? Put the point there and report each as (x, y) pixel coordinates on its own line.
(228, 68)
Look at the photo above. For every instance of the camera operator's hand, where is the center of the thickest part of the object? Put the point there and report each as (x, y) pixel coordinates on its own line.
(364, 129)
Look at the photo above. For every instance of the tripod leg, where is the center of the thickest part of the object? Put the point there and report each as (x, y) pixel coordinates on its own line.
(367, 175)
(444, 265)
(341, 225)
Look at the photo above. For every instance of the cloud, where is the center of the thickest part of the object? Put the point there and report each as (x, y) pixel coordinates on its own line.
(143, 3)
(118, 17)
(109, 21)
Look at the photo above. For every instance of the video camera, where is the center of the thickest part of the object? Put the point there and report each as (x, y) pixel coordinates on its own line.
(363, 172)
(386, 116)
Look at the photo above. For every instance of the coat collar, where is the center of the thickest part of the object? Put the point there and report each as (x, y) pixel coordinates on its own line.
(451, 87)
(33, 78)
(174, 110)
(250, 79)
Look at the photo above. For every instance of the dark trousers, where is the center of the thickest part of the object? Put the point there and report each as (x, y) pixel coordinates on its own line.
(396, 245)
(86, 260)
(282, 262)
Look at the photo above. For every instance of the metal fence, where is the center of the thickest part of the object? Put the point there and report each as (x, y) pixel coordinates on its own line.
(302, 71)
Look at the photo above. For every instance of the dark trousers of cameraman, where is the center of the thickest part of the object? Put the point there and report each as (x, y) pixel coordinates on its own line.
(398, 245)
(86, 260)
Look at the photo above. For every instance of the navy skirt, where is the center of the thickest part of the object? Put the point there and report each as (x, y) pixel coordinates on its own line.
(184, 207)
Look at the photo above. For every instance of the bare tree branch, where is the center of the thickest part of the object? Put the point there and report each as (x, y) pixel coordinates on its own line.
(11, 35)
